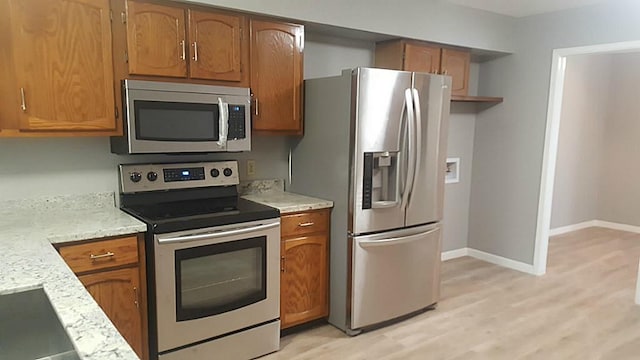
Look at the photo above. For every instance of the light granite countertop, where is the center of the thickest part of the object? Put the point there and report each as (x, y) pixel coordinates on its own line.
(28, 260)
(271, 193)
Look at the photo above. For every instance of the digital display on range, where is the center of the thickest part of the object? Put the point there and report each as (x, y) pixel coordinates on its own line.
(183, 174)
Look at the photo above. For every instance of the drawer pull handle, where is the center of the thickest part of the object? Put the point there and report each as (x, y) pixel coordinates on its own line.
(106, 255)
(307, 224)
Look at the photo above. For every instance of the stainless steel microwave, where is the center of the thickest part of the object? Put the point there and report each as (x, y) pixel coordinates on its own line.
(170, 118)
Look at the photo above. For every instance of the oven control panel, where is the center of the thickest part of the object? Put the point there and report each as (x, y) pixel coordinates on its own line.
(168, 176)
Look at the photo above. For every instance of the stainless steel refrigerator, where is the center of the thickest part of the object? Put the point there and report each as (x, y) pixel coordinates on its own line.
(375, 144)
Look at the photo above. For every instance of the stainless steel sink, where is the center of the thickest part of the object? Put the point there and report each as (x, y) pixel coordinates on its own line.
(30, 328)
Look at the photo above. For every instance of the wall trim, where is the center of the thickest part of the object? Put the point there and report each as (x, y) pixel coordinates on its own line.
(617, 226)
(502, 261)
(574, 227)
(594, 223)
(638, 287)
(454, 254)
(490, 258)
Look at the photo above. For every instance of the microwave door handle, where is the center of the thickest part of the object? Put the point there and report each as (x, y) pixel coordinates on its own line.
(223, 123)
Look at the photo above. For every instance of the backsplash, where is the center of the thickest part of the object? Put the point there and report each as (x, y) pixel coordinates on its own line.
(260, 186)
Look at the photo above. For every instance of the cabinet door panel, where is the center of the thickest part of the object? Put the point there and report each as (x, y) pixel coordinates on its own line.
(156, 40)
(276, 76)
(421, 58)
(215, 46)
(304, 280)
(456, 64)
(118, 294)
(64, 66)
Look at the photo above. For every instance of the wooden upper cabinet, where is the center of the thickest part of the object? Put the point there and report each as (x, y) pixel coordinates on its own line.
(276, 76)
(421, 58)
(410, 55)
(63, 65)
(215, 45)
(156, 41)
(456, 63)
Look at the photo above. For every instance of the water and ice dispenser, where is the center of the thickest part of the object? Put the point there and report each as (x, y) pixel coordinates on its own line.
(380, 182)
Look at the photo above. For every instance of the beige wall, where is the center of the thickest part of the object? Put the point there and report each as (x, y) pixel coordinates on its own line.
(597, 175)
(585, 115)
(620, 191)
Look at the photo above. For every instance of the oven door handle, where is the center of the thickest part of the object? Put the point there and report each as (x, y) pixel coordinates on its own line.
(217, 234)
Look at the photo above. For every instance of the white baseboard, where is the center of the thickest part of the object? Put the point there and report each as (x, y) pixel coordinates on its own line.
(594, 223)
(454, 254)
(502, 261)
(490, 258)
(569, 228)
(617, 226)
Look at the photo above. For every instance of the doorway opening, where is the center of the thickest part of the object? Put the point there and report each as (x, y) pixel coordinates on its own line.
(554, 115)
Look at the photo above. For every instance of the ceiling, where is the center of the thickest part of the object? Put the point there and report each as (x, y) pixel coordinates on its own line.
(520, 8)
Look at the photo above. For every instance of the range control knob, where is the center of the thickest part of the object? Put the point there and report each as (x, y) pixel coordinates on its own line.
(152, 176)
(215, 173)
(227, 172)
(135, 177)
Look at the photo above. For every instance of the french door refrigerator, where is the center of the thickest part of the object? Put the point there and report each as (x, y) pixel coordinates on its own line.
(375, 144)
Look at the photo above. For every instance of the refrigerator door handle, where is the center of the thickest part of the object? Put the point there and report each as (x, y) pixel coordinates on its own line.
(396, 240)
(418, 128)
(408, 185)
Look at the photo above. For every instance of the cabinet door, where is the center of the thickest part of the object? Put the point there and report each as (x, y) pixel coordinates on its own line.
(276, 76)
(456, 63)
(156, 41)
(215, 46)
(118, 294)
(304, 280)
(421, 58)
(63, 64)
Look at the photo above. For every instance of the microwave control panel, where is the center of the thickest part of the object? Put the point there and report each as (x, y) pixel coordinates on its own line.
(236, 122)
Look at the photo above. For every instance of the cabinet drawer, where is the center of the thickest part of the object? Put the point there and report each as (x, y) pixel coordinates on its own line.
(304, 223)
(98, 255)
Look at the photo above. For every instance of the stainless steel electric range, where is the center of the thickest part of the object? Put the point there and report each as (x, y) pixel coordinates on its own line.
(212, 261)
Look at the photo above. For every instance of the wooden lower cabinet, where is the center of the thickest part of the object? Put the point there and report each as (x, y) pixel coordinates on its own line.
(304, 277)
(118, 293)
(113, 272)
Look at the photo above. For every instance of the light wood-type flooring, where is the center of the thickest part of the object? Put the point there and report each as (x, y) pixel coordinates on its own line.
(583, 308)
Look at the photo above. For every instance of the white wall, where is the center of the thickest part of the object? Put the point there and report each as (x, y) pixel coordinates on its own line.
(509, 138)
(585, 117)
(620, 189)
(36, 167)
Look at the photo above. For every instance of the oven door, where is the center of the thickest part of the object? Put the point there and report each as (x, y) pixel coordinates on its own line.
(211, 282)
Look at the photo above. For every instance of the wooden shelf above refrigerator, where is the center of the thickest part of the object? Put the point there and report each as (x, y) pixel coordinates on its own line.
(477, 99)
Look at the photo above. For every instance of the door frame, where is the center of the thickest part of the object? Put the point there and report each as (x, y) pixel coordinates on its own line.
(554, 113)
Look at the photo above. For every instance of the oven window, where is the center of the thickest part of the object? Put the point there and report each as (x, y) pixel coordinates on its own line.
(175, 121)
(214, 279)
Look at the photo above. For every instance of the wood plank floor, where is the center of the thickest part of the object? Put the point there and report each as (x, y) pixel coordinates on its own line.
(583, 308)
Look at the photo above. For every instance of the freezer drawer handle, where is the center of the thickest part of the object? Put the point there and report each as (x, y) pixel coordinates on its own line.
(394, 241)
